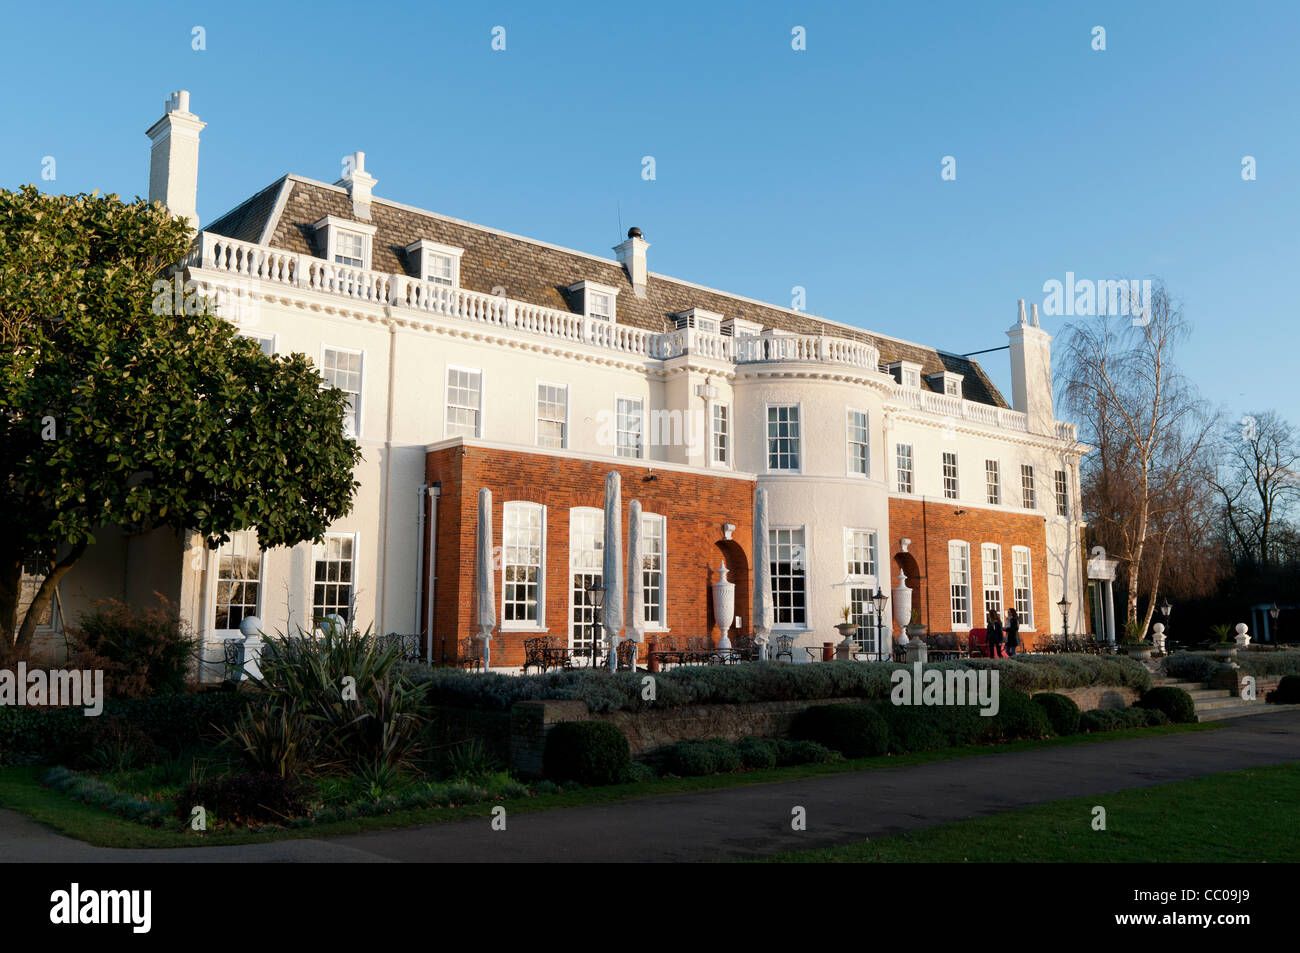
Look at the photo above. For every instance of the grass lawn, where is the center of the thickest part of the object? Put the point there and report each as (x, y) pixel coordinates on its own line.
(21, 790)
(1249, 816)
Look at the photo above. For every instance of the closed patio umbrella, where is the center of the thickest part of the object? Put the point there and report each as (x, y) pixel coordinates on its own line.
(484, 587)
(763, 609)
(635, 585)
(613, 566)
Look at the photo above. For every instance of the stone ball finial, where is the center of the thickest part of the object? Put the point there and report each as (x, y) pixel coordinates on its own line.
(250, 627)
(1241, 628)
(1158, 628)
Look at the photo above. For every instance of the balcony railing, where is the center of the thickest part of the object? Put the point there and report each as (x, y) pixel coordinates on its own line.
(251, 262)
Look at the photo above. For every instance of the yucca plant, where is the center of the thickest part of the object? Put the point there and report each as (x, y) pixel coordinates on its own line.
(362, 709)
(275, 737)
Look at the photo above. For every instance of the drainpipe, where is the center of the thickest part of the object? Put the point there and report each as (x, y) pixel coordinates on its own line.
(435, 492)
(419, 556)
(925, 576)
(388, 478)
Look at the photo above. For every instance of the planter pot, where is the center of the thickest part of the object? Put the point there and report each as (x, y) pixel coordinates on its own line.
(1225, 651)
(1140, 652)
(847, 629)
(915, 631)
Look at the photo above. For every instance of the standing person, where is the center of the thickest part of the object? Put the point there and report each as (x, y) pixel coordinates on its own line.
(994, 626)
(1013, 632)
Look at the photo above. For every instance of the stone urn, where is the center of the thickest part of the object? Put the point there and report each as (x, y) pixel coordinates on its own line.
(1158, 637)
(1141, 651)
(724, 605)
(1225, 650)
(902, 606)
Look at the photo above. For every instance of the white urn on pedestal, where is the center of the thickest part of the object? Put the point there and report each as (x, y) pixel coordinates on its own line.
(1243, 640)
(902, 607)
(1158, 637)
(724, 605)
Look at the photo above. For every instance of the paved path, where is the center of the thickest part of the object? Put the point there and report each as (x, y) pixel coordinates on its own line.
(754, 820)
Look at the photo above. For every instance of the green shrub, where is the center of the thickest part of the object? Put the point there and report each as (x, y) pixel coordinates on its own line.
(250, 798)
(690, 759)
(856, 731)
(790, 752)
(758, 682)
(1173, 701)
(471, 759)
(726, 755)
(589, 752)
(1018, 717)
(1061, 711)
(1097, 720)
(1155, 716)
(637, 771)
(757, 754)
(274, 738)
(141, 653)
(1192, 666)
(1287, 691)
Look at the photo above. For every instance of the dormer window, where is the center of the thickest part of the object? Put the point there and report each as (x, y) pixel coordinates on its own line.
(597, 300)
(947, 382)
(739, 328)
(701, 320)
(906, 373)
(434, 262)
(345, 242)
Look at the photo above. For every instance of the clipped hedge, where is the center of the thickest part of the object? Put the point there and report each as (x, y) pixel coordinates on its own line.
(172, 722)
(1018, 717)
(855, 731)
(1203, 666)
(1115, 719)
(1061, 711)
(1287, 691)
(758, 682)
(589, 752)
(1171, 700)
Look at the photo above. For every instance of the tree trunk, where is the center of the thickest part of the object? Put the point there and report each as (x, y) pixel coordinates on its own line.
(11, 581)
(45, 595)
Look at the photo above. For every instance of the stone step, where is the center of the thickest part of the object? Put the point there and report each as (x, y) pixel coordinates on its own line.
(1210, 704)
(1200, 693)
(1242, 708)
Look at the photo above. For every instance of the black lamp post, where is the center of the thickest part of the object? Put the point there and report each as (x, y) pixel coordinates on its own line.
(1273, 613)
(1064, 606)
(879, 600)
(1166, 608)
(596, 598)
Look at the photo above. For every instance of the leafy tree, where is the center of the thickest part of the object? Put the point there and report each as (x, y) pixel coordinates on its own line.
(117, 408)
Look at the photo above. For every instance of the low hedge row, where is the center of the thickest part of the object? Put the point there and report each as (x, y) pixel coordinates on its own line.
(1113, 719)
(1203, 666)
(759, 682)
(171, 722)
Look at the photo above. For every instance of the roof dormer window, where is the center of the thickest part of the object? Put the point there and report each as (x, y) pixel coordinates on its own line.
(597, 300)
(700, 319)
(906, 373)
(345, 242)
(947, 383)
(434, 262)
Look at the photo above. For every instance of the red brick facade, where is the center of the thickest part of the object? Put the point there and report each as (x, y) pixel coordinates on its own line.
(694, 505)
(931, 525)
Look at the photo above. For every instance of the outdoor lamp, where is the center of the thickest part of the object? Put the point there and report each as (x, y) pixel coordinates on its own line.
(1064, 606)
(879, 599)
(596, 595)
(1273, 611)
(1166, 608)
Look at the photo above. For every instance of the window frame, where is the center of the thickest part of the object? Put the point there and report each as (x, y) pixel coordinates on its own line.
(447, 405)
(802, 559)
(1026, 617)
(538, 419)
(587, 289)
(361, 386)
(1028, 490)
(998, 585)
(641, 432)
(849, 443)
(963, 547)
(214, 565)
(725, 407)
(850, 549)
(334, 226)
(575, 644)
(427, 249)
(911, 467)
(1061, 488)
(955, 493)
(993, 490)
(352, 585)
(526, 625)
(768, 407)
(662, 537)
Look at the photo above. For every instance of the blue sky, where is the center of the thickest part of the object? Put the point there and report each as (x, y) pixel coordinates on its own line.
(774, 168)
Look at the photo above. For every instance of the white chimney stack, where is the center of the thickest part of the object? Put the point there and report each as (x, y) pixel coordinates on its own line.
(174, 158)
(359, 184)
(1031, 372)
(631, 255)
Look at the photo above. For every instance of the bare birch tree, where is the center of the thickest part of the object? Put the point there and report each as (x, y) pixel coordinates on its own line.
(1150, 430)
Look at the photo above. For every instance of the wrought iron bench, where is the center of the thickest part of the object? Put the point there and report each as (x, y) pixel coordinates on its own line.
(408, 645)
(470, 655)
